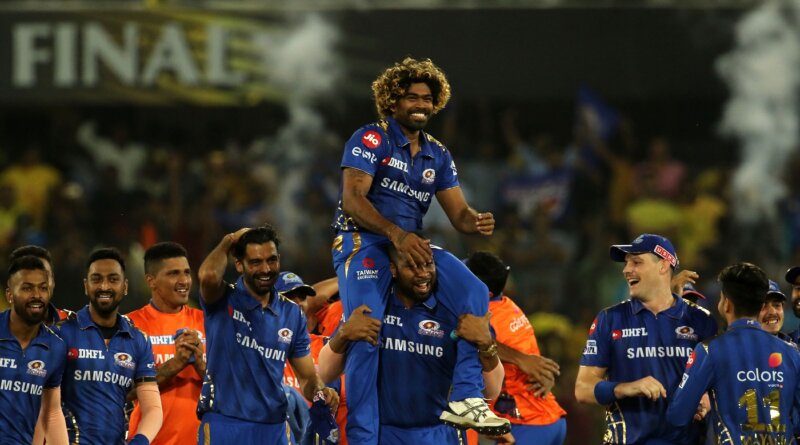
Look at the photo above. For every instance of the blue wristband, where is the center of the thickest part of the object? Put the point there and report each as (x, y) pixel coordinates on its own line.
(139, 439)
(604, 392)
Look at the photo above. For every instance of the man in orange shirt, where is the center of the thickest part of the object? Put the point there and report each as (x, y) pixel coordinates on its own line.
(526, 401)
(177, 333)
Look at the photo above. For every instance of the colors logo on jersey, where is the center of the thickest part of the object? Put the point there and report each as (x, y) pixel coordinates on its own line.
(428, 176)
(430, 328)
(36, 367)
(124, 360)
(371, 139)
(686, 333)
(690, 362)
(285, 335)
(775, 359)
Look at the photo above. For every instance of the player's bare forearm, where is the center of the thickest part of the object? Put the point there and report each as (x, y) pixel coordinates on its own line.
(588, 378)
(355, 187)
(212, 270)
(464, 218)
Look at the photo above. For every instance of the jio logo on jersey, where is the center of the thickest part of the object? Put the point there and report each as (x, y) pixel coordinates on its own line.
(124, 360)
(285, 335)
(371, 139)
(36, 367)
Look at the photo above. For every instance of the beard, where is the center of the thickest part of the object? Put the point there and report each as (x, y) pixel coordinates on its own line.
(105, 308)
(30, 318)
(257, 286)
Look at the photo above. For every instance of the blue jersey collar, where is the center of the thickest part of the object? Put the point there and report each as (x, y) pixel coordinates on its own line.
(429, 304)
(5, 330)
(674, 311)
(745, 323)
(85, 321)
(250, 303)
(400, 139)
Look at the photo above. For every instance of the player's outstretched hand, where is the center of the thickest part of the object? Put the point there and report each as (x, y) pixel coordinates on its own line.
(645, 387)
(361, 327)
(484, 222)
(505, 439)
(416, 249)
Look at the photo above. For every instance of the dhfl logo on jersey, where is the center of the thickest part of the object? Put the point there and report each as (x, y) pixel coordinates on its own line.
(616, 334)
(775, 359)
(371, 139)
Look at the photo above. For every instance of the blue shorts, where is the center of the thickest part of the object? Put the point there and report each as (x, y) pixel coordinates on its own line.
(437, 434)
(216, 429)
(553, 434)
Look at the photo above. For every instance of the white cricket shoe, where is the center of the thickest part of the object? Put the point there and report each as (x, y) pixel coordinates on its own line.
(475, 413)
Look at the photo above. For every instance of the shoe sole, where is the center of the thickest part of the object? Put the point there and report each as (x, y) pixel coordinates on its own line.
(459, 422)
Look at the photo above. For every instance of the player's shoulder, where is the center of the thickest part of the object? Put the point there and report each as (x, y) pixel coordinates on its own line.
(134, 329)
(696, 309)
(620, 309)
(435, 142)
(373, 133)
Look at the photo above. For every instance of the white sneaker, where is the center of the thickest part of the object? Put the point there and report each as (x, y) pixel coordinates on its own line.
(475, 413)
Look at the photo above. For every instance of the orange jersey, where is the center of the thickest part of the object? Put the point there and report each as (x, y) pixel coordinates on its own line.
(328, 318)
(514, 330)
(289, 379)
(179, 398)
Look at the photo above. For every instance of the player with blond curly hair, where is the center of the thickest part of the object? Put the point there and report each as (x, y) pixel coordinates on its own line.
(391, 171)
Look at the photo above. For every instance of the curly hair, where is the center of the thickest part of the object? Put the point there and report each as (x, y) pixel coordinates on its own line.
(394, 82)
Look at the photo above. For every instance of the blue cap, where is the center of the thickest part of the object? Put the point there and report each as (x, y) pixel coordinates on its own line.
(792, 274)
(689, 290)
(775, 291)
(290, 281)
(646, 243)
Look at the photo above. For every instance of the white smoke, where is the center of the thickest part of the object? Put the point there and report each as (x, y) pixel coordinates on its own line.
(303, 64)
(763, 73)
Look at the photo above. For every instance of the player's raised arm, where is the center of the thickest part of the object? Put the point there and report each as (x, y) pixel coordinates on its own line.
(212, 270)
(464, 218)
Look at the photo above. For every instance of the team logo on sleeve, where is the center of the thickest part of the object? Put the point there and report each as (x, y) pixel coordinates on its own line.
(285, 335)
(775, 359)
(686, 333)
(371, 139)
(430, 328)
(124, 360)
(428, 176)
(591, 348)
(36, 367)
(453, 167)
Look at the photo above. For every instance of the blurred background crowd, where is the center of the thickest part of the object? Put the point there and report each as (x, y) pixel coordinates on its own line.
(571, 149)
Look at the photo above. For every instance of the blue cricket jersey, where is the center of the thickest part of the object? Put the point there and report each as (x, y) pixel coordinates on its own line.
(631, 343)
(402, 186)
(24, 374)
(417, 359)
(98, 377)
(753, 380)
(247, 348)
